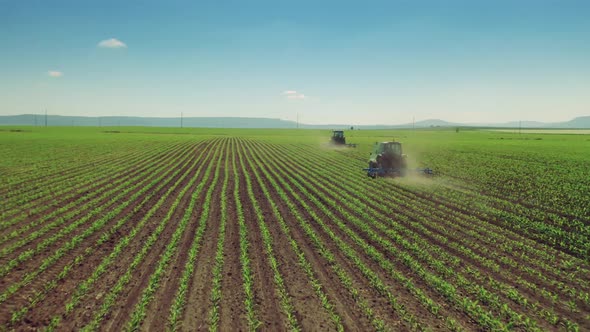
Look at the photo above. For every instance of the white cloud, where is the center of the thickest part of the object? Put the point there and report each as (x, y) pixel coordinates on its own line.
(292, 94)
(112, 43)
(55, 73)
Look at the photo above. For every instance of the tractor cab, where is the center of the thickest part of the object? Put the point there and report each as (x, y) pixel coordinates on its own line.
(394, 148)
(386, 149)
(387, 160)
(338, 137)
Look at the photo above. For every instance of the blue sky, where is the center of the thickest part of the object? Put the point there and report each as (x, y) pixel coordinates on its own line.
(357, 62)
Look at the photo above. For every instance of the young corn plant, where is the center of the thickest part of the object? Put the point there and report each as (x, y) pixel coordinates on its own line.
(139, 313)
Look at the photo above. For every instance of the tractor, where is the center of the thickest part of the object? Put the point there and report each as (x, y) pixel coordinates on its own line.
(387, 159)
(339, 139)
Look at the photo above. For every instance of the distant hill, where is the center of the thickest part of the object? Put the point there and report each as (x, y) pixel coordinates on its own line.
(523, 124)
(579, 122)
(429, 123)
(576, 123)
(243, 122)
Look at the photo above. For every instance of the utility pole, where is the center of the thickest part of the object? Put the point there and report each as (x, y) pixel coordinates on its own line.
(45, 117)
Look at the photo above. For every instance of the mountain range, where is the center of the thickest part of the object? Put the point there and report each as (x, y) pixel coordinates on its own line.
(245, 122)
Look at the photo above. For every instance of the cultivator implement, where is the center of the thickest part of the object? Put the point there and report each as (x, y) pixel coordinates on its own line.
(373, 172)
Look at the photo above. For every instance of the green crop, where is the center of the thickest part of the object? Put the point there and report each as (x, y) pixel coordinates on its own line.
(94, 221)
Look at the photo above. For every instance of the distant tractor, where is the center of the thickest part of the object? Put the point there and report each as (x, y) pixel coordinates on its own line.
(387, 159)
(339, 139)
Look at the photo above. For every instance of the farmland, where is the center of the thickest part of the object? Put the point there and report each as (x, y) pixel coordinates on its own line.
(211, 229)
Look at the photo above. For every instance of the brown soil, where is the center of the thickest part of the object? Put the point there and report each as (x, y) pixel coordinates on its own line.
(307, 306)
(267, 304)
(196, 314)
(57, 298)
(32, 264)
(126, 301)
(402, 295)
(159, 308)
(233, 316)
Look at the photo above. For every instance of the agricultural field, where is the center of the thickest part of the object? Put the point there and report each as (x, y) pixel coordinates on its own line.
(546, 131)
(210, 229)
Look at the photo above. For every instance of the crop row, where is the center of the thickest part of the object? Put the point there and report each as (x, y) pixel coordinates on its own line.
(147, 245)
(307, 174)
(149, 187)
(51, 192)
(69, 206)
